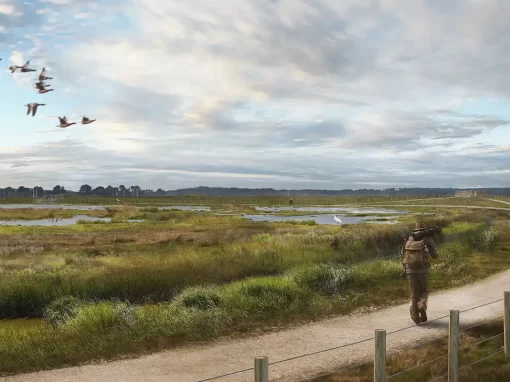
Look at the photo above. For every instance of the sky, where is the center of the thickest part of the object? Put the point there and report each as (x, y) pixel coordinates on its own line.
(287, 94)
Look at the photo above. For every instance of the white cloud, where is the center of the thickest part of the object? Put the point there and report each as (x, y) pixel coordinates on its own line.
(6, 9)
(17, 58)
(82, 15)
(57, 2)
(278, 90)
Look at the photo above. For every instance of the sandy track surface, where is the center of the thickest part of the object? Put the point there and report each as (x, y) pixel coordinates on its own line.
(499, 201)
(197, 362)
(449, 206)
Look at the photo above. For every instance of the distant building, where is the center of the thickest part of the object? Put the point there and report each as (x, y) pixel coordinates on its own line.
(467, 193)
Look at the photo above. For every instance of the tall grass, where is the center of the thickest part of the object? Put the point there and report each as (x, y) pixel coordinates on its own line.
(104, 329)
(162, 275)
(215, 200)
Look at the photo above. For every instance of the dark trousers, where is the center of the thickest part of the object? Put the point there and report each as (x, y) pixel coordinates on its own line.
(419, 287)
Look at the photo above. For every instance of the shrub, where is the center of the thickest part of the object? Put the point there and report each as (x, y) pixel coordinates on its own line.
(199, 298)
(102, 316)
(372, 273)
(150, 209)
(486, 239)
(262, 296)
(61, 310)
(324, 278)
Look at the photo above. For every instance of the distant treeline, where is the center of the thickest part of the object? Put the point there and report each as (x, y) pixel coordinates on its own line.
(136, 191)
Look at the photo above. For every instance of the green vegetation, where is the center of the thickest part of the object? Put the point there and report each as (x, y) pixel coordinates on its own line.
(459, 201)
(117, 288)
(493, 369)
(214, 201)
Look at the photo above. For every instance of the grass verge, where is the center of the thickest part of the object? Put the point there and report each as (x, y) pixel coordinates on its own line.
(493, 369)
(106, 329)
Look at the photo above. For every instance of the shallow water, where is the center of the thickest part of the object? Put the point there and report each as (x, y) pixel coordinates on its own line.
(320, 219)
(334, 209)
(52, 206)
(186, 208)
(58, 221)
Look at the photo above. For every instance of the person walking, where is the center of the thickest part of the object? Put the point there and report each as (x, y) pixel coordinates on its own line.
(415, 256)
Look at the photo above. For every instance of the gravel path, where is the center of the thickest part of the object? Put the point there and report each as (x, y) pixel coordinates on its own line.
(197, 362)
(499, 201)
(450, 206)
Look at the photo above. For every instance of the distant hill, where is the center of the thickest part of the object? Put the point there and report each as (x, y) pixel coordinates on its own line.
(137, 191)
(234, 191)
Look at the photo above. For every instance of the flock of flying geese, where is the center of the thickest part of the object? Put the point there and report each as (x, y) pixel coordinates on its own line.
(42, 88)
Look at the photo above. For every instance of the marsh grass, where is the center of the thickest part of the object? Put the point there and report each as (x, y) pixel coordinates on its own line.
(159, 272)
(105, 329)
(247, 276)
(40, 214)
(455, 201)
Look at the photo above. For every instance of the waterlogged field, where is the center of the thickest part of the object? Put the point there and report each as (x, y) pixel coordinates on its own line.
(459, 201)
(99, 290)
(215, 201)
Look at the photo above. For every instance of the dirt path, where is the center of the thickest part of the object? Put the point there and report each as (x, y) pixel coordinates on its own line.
(499, 201)
(448, 206)
(197, 362)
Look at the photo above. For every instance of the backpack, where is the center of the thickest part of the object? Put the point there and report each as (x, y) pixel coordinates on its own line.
(415, 255)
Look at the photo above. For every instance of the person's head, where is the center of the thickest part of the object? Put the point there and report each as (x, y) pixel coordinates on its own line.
(420, 225)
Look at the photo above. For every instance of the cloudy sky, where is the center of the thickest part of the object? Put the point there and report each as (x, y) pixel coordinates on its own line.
(258, 93)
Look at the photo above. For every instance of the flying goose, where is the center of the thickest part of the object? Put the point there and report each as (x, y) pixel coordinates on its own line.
(26, 68)
(42, 91)
(42, 75)
(32, 107)
(86, 121)
(41, 85)
(64, 123)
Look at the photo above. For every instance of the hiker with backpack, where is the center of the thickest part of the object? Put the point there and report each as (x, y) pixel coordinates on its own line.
(415, 256)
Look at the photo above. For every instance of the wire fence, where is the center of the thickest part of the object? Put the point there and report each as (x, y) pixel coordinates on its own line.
(454, 330)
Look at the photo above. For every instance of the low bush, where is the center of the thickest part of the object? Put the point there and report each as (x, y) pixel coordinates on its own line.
(199, 298)
(61, 310)
(324, 278)
(101, 316)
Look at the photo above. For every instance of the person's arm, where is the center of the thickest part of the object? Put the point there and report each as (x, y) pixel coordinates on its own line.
(431, 246)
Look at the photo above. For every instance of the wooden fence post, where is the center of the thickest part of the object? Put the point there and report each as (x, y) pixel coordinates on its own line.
(507, 323)
(261, 369)
(453, 347)
(380, 356)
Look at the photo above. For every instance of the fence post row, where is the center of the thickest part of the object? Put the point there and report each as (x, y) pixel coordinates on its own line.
(262, 364)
